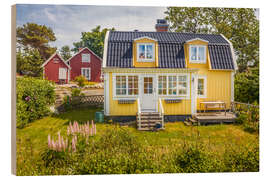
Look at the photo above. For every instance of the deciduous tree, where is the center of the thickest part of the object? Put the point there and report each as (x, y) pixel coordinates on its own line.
(65, 52)
(94, 40)
(239, 25)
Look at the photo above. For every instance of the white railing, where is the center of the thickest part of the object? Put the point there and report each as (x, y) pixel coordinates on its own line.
(161, 110)
(139, 113)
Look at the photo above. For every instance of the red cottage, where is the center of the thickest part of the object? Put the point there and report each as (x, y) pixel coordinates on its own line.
(85, 63)
(56, 69)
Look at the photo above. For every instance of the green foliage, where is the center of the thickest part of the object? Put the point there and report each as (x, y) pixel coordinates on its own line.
(244, 160)
(29, 63)
(246, 86)
(94, 40)
(76, 92)
(33, 99)
(80, 80)
(65, 52)
(239, 25)
(36, 36)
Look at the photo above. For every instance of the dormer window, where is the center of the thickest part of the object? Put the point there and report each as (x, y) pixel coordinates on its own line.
(85, 57)
(197, 54)
(145, 52)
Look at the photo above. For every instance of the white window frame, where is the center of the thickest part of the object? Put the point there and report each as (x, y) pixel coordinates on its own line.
(88, 60)
(126, 96)
(89, 73)
(146, 60)
(204, 77)
(177, 96)
(59, 74)
(197, 55)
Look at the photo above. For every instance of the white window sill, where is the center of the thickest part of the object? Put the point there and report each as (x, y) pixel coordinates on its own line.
(197, 62)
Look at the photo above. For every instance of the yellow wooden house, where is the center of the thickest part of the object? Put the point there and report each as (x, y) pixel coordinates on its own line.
(165, 75)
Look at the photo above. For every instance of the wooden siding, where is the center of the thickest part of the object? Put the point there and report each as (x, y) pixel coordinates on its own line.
(120, 109)
(76, 64)
(51, 69)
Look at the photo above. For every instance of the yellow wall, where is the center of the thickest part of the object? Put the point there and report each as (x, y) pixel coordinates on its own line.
(120, 109)
(218, 81)
(145, 64)
(218, 85)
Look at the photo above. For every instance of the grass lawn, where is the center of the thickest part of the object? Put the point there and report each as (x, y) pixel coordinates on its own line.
(33, 138)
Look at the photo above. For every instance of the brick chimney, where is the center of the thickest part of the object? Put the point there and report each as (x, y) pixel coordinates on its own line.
(162, 25)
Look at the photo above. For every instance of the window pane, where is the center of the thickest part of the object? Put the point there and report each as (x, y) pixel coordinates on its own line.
(162, 85)
(149, 51)
(193, 52)
(142, 51)
(172, 85)
(200, 86)
(201, 53)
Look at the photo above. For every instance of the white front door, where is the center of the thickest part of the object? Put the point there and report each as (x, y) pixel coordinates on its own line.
(62, 73)
(148, 94)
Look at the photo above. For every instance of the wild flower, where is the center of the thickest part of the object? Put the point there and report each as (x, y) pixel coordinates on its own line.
(58, 145)
(73, 130)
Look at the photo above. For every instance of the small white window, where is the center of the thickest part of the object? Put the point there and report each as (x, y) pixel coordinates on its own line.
(62, 73)
(202, 86)
(86, 72)
(85, 57)
(145, 52)
(197, 54)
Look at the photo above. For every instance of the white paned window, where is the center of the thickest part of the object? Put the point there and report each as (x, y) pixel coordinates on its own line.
(176, 85)
(197, 54)
(126, 85)
(201, 87)
(182, 85)
(86, 72)
(145, 52)
(172, 85)
(133, 85)
(162, 85)
(85, 57)
(62, 73)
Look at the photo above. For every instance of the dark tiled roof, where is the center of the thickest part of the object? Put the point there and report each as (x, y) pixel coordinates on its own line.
(221, 57)
(165, 37)
(170, 51)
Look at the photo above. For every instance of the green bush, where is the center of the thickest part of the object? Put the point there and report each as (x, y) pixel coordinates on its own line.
(247, 86)
(242, 159)
(76, 92)
(34, 96)
(81, 80)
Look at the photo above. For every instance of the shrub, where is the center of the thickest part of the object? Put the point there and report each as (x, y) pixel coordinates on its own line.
(80, 80)
(34, 96)
(242, 159)
(76, 92)
(194, 158)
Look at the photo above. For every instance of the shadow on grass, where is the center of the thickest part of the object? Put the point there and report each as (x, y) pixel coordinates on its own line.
(81, 115)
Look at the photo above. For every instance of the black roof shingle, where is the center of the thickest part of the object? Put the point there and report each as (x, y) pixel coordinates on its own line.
(170, 51)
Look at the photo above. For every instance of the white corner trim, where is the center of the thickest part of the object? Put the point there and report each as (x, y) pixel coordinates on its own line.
(194, 93)
(232, 51)
(232, 86)
(105, 49)
(197, 39)
(106, 94)
(145, 37)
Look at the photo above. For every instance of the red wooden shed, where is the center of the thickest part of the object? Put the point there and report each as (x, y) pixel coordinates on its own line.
(56, 69)
(85, 63)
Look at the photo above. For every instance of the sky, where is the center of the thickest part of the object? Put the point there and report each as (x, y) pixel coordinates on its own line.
(68, 21)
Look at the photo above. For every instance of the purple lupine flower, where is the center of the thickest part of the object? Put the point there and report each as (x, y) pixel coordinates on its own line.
(27, 98)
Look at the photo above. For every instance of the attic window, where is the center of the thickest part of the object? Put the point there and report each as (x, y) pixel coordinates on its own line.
(85, 57)
(55, 60)
(145, 52)
(197, 54)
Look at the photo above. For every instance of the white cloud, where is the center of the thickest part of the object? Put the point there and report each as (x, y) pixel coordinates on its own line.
(69, 21)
